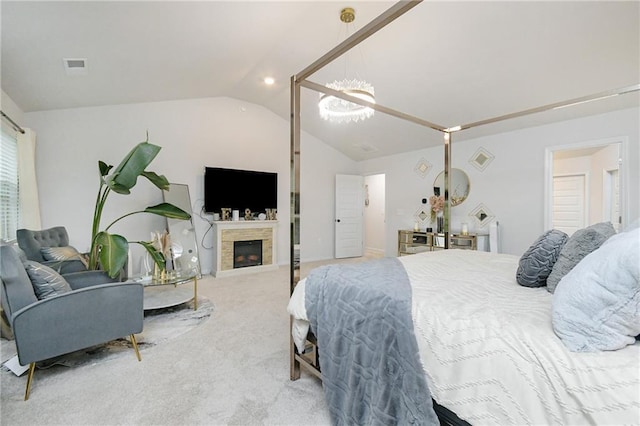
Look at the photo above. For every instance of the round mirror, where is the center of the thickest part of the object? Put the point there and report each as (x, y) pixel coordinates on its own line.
(459, 186)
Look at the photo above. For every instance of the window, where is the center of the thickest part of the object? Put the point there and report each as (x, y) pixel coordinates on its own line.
(9, 190)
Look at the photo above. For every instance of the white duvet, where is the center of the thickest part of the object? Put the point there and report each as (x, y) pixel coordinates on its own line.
(490, 353)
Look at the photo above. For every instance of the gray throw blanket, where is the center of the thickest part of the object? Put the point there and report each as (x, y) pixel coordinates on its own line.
(371, 370)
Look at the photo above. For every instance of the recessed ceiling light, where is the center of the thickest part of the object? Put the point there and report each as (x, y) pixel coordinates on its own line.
(269, 81)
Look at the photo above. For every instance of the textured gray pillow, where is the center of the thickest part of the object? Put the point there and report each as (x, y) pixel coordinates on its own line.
(536, 263)
(580, 244)
(62, 253)
(596, 307)
(46, 282)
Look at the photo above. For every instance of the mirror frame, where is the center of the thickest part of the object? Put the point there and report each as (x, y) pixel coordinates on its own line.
(173, 223)
(456, 176)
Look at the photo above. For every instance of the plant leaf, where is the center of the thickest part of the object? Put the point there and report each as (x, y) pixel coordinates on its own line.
(133, 165)
(168, 210)
(104, 168)
(158, 180)
(117, 188)
(157, 257)
(113, 252)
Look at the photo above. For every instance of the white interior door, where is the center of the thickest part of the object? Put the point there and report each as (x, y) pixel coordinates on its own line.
(612, 198)
(569, 212)
(349, 216)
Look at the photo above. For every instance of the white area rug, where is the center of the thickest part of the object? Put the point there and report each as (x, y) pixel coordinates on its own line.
(160, 325)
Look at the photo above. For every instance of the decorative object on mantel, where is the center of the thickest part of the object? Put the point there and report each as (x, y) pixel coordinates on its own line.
(482, 215)
(262, 216)
(225, 213)
(481, 159)
(422, 168)
(339, 110)
(272, 214)
(247, 214)
(111, 251)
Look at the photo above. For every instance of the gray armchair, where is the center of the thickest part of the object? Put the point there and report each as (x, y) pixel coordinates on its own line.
(32, 242)
(95, 311)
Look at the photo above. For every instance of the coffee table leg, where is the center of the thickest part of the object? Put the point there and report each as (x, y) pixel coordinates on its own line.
(195, 293)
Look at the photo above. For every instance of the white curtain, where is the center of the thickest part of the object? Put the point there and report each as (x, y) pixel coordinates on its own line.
(29, 201)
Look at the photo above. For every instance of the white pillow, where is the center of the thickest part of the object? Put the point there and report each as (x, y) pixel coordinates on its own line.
(596, 306)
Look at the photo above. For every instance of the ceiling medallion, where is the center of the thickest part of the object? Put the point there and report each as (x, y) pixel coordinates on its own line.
(339, 110)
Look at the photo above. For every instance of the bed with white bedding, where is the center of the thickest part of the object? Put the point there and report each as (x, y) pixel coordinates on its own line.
(490, 353)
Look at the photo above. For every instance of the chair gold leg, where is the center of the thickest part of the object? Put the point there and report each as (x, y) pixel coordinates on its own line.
(135, 346)
(32, 369)
(195, 293)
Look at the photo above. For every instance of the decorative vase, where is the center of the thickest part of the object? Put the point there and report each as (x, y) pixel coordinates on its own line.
(440, 228)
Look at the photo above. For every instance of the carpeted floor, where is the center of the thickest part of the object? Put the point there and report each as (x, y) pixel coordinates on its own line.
(160, 325)
(230, 369)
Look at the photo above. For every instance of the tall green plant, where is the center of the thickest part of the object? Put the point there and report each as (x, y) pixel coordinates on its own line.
(108, 250)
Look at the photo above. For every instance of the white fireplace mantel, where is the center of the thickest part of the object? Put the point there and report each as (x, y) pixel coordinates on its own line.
(227, 232)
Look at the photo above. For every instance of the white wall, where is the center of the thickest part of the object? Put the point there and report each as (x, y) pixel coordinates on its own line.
(230, 133)
(194, 133)
(512, 186)
(10, 108)
(319, 165)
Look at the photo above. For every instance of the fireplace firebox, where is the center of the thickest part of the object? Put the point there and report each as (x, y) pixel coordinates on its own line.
(247, 253)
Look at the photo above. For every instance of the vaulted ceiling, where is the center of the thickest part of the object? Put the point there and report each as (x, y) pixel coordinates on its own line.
(448, 62)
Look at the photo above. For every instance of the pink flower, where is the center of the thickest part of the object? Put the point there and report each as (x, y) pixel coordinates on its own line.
(437, 205)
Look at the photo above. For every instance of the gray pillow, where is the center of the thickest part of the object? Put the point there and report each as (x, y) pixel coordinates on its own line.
(536, 263)
(62, 253)
(596, 307)
(580, 244)
(46, 282)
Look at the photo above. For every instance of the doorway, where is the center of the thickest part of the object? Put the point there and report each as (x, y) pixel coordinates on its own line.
(360, 225)
(374, 215)
(587, 175)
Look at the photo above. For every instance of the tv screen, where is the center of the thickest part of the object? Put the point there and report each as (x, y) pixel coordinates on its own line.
(239, 190)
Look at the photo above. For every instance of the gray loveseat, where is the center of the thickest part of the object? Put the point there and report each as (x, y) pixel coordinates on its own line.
(95, 311)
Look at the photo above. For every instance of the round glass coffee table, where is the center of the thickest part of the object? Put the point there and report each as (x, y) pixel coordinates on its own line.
(174, 289)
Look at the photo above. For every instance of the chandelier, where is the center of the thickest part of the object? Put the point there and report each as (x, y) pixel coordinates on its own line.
(339, 110)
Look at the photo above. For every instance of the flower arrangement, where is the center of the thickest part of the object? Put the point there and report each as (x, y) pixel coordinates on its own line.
(437, 205)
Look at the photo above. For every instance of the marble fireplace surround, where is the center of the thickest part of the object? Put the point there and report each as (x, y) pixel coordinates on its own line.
(228, 232)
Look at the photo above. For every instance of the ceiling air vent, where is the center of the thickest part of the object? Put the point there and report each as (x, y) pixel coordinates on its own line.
(76, 66)
(366, 147)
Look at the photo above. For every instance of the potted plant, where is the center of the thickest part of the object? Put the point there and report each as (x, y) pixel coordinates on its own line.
(110, 251)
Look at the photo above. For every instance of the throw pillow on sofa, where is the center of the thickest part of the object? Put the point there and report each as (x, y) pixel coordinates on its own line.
(63, 253)
(46, 282)
(580, 244)
(536, 263)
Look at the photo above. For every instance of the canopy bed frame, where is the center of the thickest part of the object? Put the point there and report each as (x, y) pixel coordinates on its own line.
(309, 359)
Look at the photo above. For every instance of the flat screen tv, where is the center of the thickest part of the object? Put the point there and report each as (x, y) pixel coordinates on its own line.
(239, 190)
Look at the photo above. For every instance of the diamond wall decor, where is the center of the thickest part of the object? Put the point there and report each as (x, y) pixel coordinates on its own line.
(481, 159)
